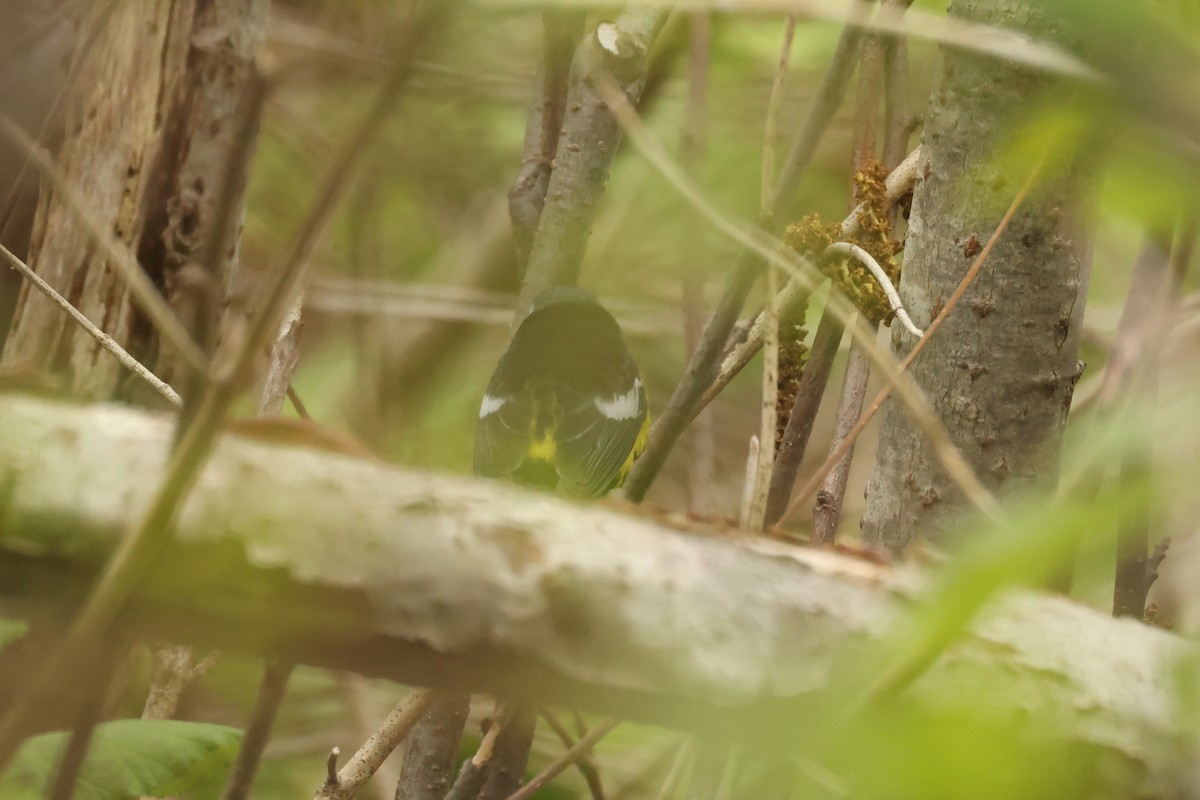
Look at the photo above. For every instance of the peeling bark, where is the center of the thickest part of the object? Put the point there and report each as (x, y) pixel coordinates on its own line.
(443, 581)
(147, 142)
(1001, 371)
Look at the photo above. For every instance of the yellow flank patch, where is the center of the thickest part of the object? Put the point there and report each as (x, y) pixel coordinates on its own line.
(639, 445)
(543, 450)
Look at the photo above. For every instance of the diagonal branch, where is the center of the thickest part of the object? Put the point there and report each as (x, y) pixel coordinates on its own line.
(703, 366)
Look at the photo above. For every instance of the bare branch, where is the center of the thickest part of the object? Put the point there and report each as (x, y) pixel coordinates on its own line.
(803, 414)
(702, 368)
(574, 752)
(828, 507)
(362, 765)
(432, 748)
(617, 51)
(106, 341)
(254, 741)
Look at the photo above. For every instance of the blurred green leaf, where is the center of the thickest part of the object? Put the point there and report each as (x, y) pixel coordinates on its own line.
(130, 758)
(11, 630)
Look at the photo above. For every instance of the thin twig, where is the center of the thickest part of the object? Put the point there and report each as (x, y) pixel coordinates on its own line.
(105, 341)
(356, 691)
(140, 286)
(683, 758)
(899, 183)
(771, 127)
(474, 770)
(275, 677)
(510, 755)
(692, 149)
(586, 763)
(825, 104)
(271, 691)
(748, 482)
(702, 368)
(992, 40)
(955, 465)
(565, 760)
(285, 357)
(803, 414)
(828, 508)
(171, 670)
(819, 364)
(618, 51)
(896, 129)
(769, 411)
(362, 765)
(867, 260)
(815, 481)
(561, 31)
(897, 124)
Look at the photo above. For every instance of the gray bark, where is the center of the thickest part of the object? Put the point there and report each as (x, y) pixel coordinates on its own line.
(323, 559)
(586, 146)
(1001, 371)
(147, 147)
(432, 748)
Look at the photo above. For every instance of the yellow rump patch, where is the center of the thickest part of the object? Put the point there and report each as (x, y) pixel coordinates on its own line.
(543, 450)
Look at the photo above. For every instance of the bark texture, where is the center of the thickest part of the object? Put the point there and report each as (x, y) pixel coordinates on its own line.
(35, 46)
(617, 51)
(1001, 371)
(323, 559)
(147, 145)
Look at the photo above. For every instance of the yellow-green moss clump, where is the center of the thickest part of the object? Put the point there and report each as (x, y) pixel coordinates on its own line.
(810, 237)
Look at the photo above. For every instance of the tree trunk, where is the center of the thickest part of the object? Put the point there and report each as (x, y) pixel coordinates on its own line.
(35, 45)
(149, 138)
(1001, 371)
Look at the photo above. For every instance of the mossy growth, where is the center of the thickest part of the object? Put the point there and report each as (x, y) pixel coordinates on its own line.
(810, 237)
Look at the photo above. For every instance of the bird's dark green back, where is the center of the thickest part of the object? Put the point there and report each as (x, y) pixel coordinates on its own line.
(565, 407)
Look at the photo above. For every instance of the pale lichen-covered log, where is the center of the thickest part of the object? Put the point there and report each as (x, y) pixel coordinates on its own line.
(320, 558)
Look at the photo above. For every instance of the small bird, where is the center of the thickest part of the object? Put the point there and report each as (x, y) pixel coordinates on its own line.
(565, 408)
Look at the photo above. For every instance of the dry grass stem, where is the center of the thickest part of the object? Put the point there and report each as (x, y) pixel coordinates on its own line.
(105, 341)
(984, 39)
